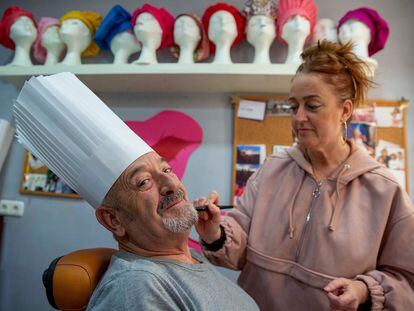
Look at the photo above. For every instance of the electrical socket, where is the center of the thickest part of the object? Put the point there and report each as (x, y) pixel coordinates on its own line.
(11, 208)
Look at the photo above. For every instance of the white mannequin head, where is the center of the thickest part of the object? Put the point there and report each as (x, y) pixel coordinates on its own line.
(360, 35)
(148, 31)
(53, 43)
(123, 45)
(75, 34)
(23, 32)
(355, 31)
(261, 31)
(187, 36)
(296, 29)
(295, 32)
(186, 32)
(222, 28)
(325, 28)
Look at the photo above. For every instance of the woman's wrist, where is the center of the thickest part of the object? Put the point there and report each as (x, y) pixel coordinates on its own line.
(217, 243)
(363, 292)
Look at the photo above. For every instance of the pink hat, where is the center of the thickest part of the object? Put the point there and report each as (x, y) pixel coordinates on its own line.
(202, 50)
(378, 26)
(9, 16)
(164, 18)
(290, 8)
(39, 52)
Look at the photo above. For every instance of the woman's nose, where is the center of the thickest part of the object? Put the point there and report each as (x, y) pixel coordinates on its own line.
(301, 114)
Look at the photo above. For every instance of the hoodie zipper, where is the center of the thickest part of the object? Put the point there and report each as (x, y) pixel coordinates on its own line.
(315, 194)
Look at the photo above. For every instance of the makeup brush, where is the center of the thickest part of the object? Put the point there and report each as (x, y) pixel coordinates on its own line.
(204, 208)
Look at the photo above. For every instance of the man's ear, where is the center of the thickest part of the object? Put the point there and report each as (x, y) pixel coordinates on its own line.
(108, 218)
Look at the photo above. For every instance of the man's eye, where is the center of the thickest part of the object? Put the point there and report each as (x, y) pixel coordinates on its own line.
(142, 183)
(168, 170)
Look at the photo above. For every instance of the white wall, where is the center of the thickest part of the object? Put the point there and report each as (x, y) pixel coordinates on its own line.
(52, 227)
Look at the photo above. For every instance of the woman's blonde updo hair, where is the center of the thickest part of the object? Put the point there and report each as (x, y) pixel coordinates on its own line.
(339, 67)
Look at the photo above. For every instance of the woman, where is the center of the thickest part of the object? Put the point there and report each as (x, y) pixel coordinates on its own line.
(322, 225)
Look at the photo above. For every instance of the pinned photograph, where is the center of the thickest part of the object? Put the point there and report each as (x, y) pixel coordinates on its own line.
(393, 157)
(278, 107)
(38, 179)
(363, 135)
(389, 116)
(243, 173)
(251, 154)
(364, 114)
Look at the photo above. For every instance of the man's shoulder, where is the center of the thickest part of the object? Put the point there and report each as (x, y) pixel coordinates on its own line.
(124, 266)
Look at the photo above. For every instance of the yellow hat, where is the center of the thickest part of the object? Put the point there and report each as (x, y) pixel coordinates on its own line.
(92, 20)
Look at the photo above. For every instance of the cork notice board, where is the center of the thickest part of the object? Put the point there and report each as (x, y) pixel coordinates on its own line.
(276, 130)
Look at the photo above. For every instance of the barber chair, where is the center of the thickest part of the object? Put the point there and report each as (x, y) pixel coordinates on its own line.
(71, 279)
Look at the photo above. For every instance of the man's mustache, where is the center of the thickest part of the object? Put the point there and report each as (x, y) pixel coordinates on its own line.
(170, 200)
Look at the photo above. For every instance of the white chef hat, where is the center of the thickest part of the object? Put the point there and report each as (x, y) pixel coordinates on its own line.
(75, 134)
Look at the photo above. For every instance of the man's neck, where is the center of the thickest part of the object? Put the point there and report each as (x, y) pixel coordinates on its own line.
(179, 252)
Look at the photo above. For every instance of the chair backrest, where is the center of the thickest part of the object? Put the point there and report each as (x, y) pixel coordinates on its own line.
(71, 279)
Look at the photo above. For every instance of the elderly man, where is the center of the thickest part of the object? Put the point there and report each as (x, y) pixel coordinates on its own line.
(136, 196)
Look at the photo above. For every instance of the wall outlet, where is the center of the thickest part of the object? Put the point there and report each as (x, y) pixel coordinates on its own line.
(11, 208)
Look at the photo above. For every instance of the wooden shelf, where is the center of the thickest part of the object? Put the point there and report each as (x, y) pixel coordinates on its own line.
(197, 78)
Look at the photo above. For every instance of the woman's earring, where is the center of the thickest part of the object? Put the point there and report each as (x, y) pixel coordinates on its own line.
(344, 135)
(294, 138)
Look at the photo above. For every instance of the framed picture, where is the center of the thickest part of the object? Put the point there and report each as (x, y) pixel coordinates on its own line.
(38, 179)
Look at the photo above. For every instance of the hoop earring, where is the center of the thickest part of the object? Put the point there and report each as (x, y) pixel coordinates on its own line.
(344, 135)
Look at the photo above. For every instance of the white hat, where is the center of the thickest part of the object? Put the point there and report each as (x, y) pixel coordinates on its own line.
(75, 134)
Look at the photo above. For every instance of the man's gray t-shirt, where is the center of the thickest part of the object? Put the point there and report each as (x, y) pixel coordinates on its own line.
(138, 283)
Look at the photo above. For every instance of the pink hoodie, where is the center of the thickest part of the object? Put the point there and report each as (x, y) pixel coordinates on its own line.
(291, 236)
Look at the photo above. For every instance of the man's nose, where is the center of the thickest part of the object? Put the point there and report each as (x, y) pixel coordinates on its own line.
(169, 185)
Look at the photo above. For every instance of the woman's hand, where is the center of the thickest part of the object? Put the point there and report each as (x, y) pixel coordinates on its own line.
(208, 226)
(345, 294)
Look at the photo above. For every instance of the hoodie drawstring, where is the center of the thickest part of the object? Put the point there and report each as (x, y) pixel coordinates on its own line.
(291, 228)
(336, 210)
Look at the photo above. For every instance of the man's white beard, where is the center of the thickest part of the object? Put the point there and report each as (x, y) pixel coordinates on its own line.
(180, 219)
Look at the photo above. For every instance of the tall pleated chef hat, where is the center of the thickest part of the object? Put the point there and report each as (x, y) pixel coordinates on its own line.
(63, 123)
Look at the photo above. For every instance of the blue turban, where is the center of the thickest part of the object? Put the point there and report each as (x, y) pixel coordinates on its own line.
(118, 20)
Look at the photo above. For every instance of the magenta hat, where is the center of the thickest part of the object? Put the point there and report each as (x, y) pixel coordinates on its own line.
(164, 18)
(290, 8)
(39, 52)
(202, 50)
(378, 26)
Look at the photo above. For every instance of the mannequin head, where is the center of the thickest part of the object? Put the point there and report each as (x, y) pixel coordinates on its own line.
(186, 32)
(295, 19)
(261, 30)
(222, 29)
(19, 25)
(125, 41)
(23, 31)
(77, 31)
(354, 31)
(48, 45)
(148, 30)
(325, 29)
(75, 34)
(224, 24)
(297, 28)
(116, 31)
(365, 28)
(153, 27)
(190, 39)
(51, 38)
